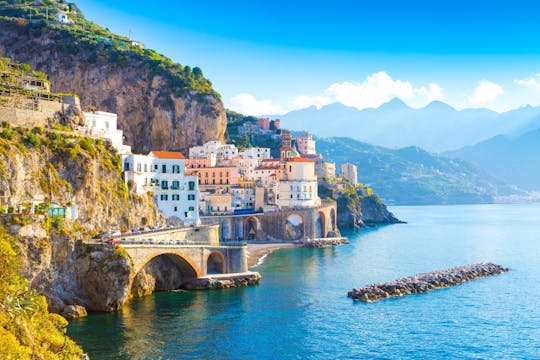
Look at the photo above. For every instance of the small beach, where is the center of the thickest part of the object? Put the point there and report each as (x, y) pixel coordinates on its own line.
(257, 253)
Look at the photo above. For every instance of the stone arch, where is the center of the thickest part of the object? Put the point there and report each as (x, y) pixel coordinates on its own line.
(215, 263)
(320, 222)
(295, 227)
(251, 228)
(180, 259)
(333, 219)
(163, 271)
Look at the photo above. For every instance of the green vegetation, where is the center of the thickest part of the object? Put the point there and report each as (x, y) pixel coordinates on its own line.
(27, 329)
(103, 45)
(412, 176)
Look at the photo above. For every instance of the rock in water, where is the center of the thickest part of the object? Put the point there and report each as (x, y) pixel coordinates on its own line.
(421, 283)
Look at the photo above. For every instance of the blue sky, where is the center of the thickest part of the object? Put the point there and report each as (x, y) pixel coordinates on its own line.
(276, 56)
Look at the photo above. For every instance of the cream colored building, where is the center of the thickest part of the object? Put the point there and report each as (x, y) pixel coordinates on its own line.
(298, 185)
(350, 172)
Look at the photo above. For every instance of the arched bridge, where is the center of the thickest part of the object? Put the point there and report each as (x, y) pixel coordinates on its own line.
(196, 260)
(196, 251)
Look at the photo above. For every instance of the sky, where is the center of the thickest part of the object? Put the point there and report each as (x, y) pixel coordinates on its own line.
(272, 57)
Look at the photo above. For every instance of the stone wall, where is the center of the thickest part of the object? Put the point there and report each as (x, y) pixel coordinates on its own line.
(288, 224)
(45, 110)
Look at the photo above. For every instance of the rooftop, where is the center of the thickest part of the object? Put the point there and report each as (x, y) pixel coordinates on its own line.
(167, 154)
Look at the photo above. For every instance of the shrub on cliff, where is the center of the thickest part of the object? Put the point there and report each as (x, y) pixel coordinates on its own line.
(27, 329)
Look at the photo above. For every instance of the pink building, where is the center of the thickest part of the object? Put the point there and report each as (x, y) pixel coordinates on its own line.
(200, 162)
(218, 175)
(264, 123)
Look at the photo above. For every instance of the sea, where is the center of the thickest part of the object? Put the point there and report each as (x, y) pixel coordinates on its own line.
(301, 310)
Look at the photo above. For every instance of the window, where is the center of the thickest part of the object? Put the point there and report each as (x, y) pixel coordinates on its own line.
(191, 197)
(126, 166)
(164, 184)
(175, 185)
(155, 167)
(175, 208)
(163, 169)
(191, 185)
(186, 214)
(176, 169)
(191, 208)
(164, 197)
(145, 167)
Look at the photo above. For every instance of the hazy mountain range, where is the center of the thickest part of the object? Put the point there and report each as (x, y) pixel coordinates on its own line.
(515, 159)
(413, 176)
(437, 127)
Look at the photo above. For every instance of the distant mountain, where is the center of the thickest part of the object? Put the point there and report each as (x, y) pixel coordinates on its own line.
(412, 176)
(436, 127)
(513, 159)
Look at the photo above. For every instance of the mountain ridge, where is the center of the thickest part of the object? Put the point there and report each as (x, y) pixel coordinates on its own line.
(437, 127)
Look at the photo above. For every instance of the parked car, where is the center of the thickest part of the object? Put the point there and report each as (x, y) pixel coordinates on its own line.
(113, 241)
(116, 233)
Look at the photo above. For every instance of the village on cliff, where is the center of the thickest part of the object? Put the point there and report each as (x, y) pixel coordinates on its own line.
(254, 193)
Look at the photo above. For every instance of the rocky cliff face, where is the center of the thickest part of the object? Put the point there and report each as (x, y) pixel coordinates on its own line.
(77, 172)
(356, 209)
(153, 112)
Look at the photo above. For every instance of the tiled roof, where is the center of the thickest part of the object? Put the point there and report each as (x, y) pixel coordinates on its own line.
(167, 154)
(300, 159)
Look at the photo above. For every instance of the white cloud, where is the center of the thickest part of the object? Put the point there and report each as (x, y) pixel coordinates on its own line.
(533, 82)
(247, 104)
(302, 102)
(486, 92)
(375, 90)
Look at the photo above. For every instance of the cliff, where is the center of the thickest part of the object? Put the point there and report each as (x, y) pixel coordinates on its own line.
(159, 104)
(27, 329)
(355, 206)
(82, 175)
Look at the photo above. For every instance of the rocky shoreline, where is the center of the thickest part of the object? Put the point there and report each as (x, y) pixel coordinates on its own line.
(421, 283)
(325, 242)
(223, 281)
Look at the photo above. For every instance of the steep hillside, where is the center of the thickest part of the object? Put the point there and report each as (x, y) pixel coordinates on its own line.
(160, 104)
(84, 176)
(412, 176)
(436, 127)
(513, 159)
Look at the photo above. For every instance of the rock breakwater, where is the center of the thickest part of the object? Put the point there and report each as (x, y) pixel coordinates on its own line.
(421, 283)
(223, 281)
(325, 242)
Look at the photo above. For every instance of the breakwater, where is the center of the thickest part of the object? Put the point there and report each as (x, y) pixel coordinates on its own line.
(421, 283)
(325, 242)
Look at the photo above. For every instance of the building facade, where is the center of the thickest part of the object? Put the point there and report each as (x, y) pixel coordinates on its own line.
(349, 172)
(176, 194)
(305, 144)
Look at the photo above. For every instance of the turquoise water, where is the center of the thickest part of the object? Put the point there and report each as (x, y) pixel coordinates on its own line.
(301, 310)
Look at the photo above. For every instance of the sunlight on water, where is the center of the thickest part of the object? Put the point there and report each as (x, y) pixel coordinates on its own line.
(301, 310)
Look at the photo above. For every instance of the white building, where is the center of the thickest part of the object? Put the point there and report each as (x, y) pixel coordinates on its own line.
(256, 153)
(306, 144)
(63, 19)
(298, 185)
(163, 172)
(104, 125)
(227, 151)
(350, 172)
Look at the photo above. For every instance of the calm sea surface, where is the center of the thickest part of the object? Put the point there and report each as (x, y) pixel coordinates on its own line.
(301, 309)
